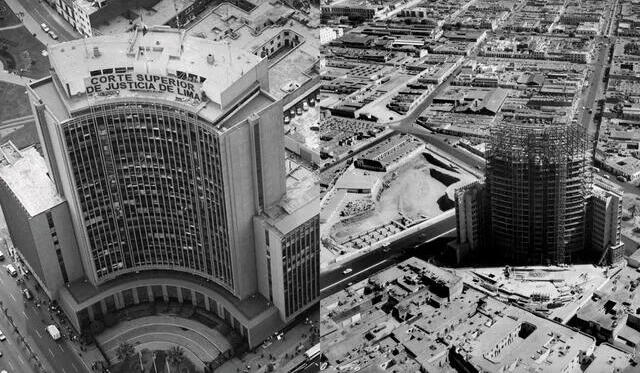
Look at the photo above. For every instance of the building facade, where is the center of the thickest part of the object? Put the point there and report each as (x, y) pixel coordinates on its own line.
(536, 178)
(604, 224)
(164, 165)
(539, 204)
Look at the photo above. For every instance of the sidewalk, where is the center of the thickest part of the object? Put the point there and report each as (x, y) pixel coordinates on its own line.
(29, 22)
(34, 26)
(13, 78)
(294, 343)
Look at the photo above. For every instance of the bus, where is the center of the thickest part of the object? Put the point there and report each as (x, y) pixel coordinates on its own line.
(313, 352)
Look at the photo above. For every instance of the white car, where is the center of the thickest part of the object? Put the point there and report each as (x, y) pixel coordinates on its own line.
(44, 27)
(347, 271)
(11, 270)
(2, 337)
(53, 35)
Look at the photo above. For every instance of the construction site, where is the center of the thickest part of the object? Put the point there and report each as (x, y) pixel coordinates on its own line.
(537, 178)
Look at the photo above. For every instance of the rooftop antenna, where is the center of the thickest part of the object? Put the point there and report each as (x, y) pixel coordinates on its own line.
(84, 43)
(228, 59)
(175, 6)
(140, 12)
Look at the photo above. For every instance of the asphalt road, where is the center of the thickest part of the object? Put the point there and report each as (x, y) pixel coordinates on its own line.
(31, 322)
(415, 244)
(43, 13)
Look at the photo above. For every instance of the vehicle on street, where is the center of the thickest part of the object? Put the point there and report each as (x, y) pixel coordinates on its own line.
(11, 270)
(347, 271)
(53, 35)
(53, 332)
(622, 178)
(44, 27)
(1, 255)
(2, 336)
(27, 294)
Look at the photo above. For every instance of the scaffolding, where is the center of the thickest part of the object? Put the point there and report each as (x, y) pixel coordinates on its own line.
(538, 183)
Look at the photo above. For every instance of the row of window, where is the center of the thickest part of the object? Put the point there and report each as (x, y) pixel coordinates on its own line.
(142, 168)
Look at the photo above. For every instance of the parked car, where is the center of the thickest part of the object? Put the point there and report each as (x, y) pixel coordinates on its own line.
(12, 270)
(347, 271)
(27, 294)
(44, 27)
(53, 35)
(2, 336)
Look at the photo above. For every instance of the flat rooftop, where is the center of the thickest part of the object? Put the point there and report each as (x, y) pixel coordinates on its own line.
(394, 310)
(300, 203)
(26, 174)
(609, 358)
(160, 62)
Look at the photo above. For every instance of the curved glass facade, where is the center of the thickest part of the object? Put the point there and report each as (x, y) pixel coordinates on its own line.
(148, 179)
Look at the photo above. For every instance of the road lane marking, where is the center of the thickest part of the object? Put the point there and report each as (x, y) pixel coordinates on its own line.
(21, 361)
(74, 367)
(61, 349)
(51, 352)
(353, 275)
(64, 370)
(12, 297)
(38, 333)
(25, 314)
(11, 365)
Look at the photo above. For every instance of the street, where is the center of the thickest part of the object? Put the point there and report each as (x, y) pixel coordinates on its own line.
(31, 322)
(362, 267)
(44, 13)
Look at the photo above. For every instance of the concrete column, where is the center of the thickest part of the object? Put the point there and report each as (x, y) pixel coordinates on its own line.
(165, 295)
(206, 303)
(91, 315)
(179, 290)
(136, 300)
(103, 306)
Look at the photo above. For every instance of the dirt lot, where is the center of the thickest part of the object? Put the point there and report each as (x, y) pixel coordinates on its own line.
(413, 194)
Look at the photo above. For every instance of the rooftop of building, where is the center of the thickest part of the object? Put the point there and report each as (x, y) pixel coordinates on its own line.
(608, 358)
(394, 311)
(251, 29)
(301, 201)
(607, 307)
(216, 73)
(119, 16)
(26, 174)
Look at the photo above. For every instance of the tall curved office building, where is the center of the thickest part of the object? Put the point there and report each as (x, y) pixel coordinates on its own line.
(538, 190)
(168, 153)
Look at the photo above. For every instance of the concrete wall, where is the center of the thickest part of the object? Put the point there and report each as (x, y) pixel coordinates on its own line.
(238, 175)
(19, 227)
(272, 153)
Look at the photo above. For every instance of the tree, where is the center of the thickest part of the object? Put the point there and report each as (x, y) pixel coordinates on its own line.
(124, 351)
(175, 357)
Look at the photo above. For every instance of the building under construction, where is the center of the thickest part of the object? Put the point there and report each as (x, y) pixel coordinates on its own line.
(538, 189)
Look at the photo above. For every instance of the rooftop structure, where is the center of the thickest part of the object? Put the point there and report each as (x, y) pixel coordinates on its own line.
(25, 172)
(397, 318)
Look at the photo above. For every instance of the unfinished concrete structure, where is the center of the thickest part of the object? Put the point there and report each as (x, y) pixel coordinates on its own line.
(538, 188)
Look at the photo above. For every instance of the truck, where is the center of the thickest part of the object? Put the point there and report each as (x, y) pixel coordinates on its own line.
(53, 332)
